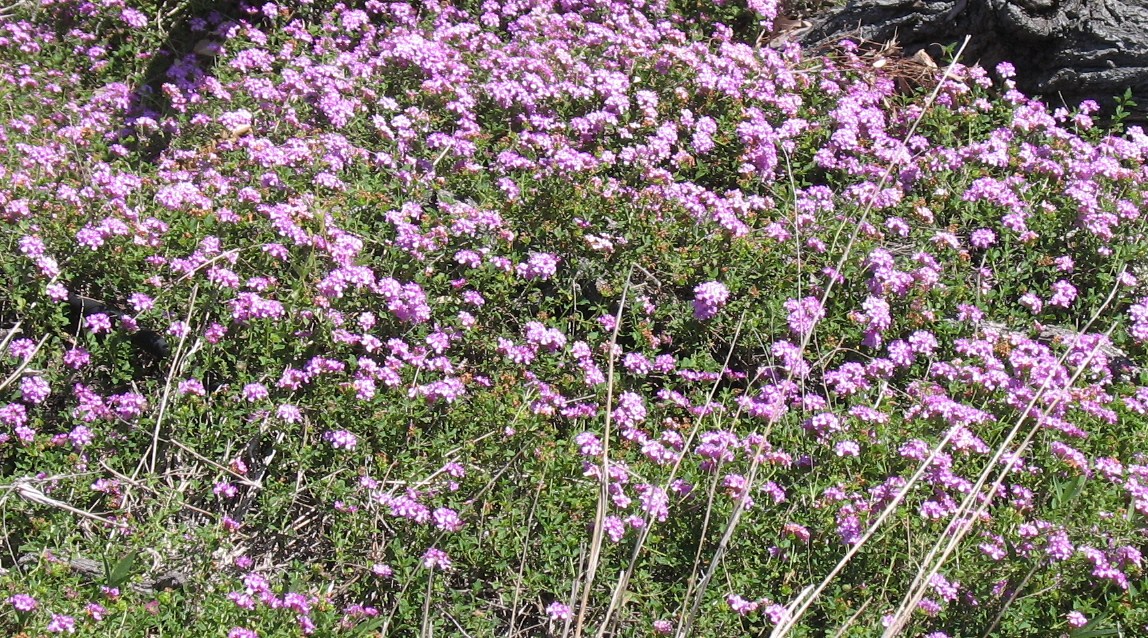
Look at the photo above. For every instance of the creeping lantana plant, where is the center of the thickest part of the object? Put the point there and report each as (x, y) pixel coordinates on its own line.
(533, 318)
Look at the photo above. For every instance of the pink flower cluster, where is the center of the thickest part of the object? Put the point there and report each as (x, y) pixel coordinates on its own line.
(709, 298)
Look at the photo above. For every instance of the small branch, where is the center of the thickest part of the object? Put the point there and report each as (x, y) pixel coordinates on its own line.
(604, 479)
(25, 488)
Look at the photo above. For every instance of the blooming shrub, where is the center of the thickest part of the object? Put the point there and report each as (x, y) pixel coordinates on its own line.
(453, 294)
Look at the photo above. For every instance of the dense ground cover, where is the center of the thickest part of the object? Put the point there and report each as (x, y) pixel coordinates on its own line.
(531, 318)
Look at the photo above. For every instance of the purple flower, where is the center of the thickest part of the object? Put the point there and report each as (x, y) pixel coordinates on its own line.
(654, 501)
(89, 238)
(1071, 456)
(589, 444)
(774, 612)
(709, 298)
(982, 238)
(799, 532)
(849, 525)
(804, 314)
(62, 624)
(32, 247)
(382, 570)
(341, 440)
(23, 603)
(993, 551)
(98, 323)
(551, 339)
(877, 314)
(541, 266)
(133, 18)
(847, 448)
(215, 333)
(630, 411)
(736, 486)
(289, 413)
(929, 606)
(775, 492)
(449, 390)
(663, 627)
(240, 632)
(608, 322)
(741, 605)
(1063, 294)
(405, 506)
(559, 611)
(447, 519)
(191, 386)
(614, 528)
(923, 342)
(81, 436)
(242, 600)
(236, 120)
(1076, 620)
(435, 558)
(24, 348)
(1059, 547)
(253, 392)
(278, 251)
(1032, 302)
(933, 510)
(107, 486)
(791, 358)
(969, 312)
(34, 389)
(637, 364)
(226, 490)
(297, 603)
(248, 305)
(56, 292)
(945, 588)
(141, 302)
(128, 405)
(223, 277)
(473, 298)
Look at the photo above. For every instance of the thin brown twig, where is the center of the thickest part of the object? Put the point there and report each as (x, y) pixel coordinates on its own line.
(522, 560)
(137, 484)
(176, 364)
(25, 488)
(604, 478)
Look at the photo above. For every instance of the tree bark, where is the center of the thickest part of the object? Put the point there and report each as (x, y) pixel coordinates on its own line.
(1064, 50)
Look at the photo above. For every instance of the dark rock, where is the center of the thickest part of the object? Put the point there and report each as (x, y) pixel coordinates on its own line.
(148, 341)
(81, 307)
(1064, 50)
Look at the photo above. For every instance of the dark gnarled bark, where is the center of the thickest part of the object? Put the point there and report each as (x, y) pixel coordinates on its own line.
(1064, 50)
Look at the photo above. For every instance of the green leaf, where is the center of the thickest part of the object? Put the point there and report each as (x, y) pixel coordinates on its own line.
(122, 571)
